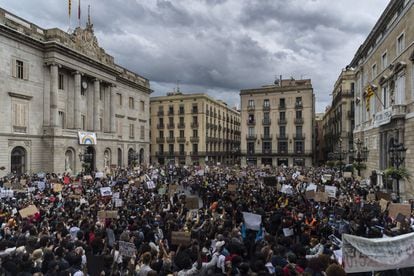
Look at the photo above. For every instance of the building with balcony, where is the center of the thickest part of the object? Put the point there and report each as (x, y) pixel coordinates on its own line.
(338, 120)
(63, 98)
(196, 130)
(278, 123)
(384, 89)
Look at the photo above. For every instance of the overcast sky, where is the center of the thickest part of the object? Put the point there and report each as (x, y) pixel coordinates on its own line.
(221, 46)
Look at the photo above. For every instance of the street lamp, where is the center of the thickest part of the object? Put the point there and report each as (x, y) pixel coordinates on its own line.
(397, 157)
(361, 154)
(340, 155)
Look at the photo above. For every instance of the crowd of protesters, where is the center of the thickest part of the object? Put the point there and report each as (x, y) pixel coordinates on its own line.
(297, 235)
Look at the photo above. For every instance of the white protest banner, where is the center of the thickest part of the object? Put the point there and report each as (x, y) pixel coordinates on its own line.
(288, 232)
(106, 191)
(338, 256)
(87, 138)
(41, 185)
(252, 221)
(115, 195)
(118, 202)
(347, 174)
(287, 189)
(366, 255)
(4, 193)
(99, 175)
(150, 185)
(127, 249)
(311, 187)
(330, 190)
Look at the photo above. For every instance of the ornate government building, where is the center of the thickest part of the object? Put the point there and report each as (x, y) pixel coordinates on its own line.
(63, 98)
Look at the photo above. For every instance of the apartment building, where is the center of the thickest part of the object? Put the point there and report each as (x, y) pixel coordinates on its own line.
(338, 120)
(384, 91)
(278, 124)
(193, 129)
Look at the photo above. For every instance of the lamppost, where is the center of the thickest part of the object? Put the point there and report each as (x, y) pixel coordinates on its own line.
(340, 155)
(85, 157)
(397, 157)
(361, 154)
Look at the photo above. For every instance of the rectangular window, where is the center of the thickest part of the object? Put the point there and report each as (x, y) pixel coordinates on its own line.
(400, 89)
(400, 44)
(171, 133)
(298, 147)
(384, 96)
(119, 127)
(131, 130)
(142, 103)
(171, 120)
(61, 120)
(181, 147)
(171, 149)
(100, 124)
(195, 148)
(61, 81)
(181, 133)
(250, 147)
(299, 131)
(19, 69)
(299, 101)
(282, 147)
(282, 131)
(181, 120)
(282, 103)
(374, 72)
(83, 121)
(266, 103)
(267, 147)
(161, 148)
(131, 103)
(195, 108)
(251, 131)
(298, 114)
(266, 131)
(142, 133)
(195, 133)
(171, 110)
(161, 134)
(384, 60)
(119, 99)
(282, 115)
(250, 103)
(250, 119)
(19, 117)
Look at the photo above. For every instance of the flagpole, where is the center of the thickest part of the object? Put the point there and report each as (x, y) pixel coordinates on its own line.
(69, 14)
(79, 13)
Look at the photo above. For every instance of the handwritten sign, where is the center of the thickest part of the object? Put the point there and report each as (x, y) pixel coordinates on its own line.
(192, 202)
(127, 249)
(321, 197)
(172, 189)
(28, 211)
(394, 209)
(310, 194)
(57, 187)
(103, 214)
(347, 175)
(330, 190)
(180, 237)
(366, 255)
(252, 221)
(106, 191)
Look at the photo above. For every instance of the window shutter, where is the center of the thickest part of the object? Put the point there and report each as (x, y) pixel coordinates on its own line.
(13, 67)
(25, 70)
(14, 110)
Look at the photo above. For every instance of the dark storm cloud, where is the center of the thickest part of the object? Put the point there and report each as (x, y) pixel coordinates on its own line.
(221, 46)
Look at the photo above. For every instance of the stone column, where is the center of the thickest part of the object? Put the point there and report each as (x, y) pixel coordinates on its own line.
(107, 114)
(77, 95)
(54, 85)
(112, 108)
(97, 87)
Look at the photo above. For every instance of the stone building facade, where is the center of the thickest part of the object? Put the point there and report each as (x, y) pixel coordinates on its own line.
(338, 121)
(193, 129)
(384, 90)
(278, 124)
(56, 86)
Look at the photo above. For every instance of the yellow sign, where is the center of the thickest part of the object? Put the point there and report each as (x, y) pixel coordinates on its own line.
(369, 92)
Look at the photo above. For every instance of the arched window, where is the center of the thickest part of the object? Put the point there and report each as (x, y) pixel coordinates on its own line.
(141, 156)
(107, 158)
(131, 156)
(119, 157)
(69, 160)
(18, 160)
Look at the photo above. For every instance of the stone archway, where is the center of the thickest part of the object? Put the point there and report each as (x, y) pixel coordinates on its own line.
(69, 160)
(107, 158)
(120, 157)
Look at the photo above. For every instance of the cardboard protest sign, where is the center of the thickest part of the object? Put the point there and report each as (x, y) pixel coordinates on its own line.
(127, 249)
(57, 187)
(192, 202)
(7, 185)
(28, 211)
(232, 187)
(301, 177)
(172, 189)
(383, 195)
(367, 255)
(383, 203)
(287, 232)
(252, 221)
(310, 194)
(330, 190)
(286, 189)
(103, 214)
(321, 197)
(23, 182)
(106, 191)
(347, 175)
(180, 237)
(395, 208)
